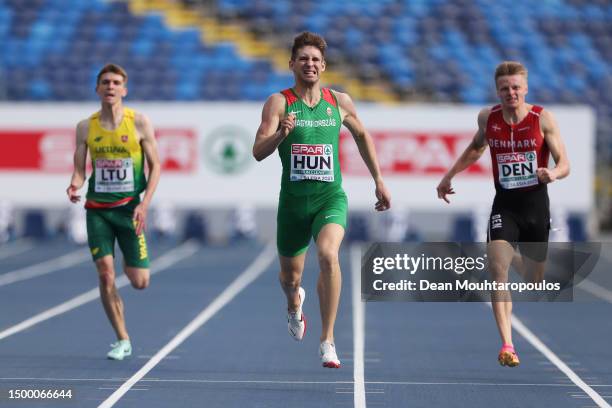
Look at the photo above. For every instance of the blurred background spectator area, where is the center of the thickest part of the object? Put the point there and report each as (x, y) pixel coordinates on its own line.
(380, 51)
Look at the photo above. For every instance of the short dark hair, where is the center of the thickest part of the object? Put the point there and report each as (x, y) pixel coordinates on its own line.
(307, 38)
(115, 69)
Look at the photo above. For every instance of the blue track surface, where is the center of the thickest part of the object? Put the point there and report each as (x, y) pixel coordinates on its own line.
(416, 354)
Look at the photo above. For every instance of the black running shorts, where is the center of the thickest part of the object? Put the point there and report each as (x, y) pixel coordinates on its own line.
(522, 217)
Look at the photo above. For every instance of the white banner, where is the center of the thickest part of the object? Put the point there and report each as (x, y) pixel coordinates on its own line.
(205, 150)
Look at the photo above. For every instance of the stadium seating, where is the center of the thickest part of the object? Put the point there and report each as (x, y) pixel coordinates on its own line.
(463, 229)
(357, 229)
(35, 225)
(577, 228)
(446, 51)
(51, 48)
(196, 227)
(438, 50)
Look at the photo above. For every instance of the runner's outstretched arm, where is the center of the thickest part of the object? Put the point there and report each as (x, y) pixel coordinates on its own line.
(469, 156)
(149, 148)
(366, 148)
(80, 157)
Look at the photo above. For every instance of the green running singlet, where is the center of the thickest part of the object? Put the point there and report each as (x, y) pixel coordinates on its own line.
(311, 185)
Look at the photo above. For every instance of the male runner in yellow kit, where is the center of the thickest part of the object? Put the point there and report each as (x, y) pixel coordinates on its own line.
(304, 123)
(118, 140)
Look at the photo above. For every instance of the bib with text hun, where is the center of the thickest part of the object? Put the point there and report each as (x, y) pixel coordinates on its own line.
(312, 162)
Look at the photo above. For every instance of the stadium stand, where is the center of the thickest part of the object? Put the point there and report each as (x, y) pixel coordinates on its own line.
(410, 50)
(434, 50)
(442, 50)
(51, 48)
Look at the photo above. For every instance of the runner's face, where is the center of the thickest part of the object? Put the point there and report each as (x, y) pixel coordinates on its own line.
(308, 64)
(111, 88)
(511, 90)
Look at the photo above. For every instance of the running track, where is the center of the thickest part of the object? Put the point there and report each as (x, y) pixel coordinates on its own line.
(210, 331)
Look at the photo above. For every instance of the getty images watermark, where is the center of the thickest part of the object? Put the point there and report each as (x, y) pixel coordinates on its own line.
(451, 272)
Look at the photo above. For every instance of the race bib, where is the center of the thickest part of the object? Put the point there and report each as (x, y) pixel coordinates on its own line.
(114, 175)
(312, 162)
(516, 170)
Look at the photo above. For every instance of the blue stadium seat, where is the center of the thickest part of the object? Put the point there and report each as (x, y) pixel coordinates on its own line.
(195, 227)
(35, 225)
(40, 90)
(357, 229)
(577, 228)
(462, 229)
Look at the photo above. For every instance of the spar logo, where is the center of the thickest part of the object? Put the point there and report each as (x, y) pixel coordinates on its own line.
(227, 150)
(515, 157)
(311, 150)
(113, 163)
(52, 150)
(413, 153)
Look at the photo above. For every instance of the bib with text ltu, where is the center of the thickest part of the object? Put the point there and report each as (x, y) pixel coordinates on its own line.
(114, 175)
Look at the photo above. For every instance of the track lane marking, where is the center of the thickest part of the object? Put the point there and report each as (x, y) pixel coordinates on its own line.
(43, 268)
(359, 399)
(165, 261)
(252, 272)
(523, 330)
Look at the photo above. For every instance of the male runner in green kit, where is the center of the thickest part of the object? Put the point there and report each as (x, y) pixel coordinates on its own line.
(118, 140)
(304, 124)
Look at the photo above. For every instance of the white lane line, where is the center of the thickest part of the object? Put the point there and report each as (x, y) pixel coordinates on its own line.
(542, 348)
(166, 260)
(298, 382)
(358, 328)
(595, 290)
(481, 384)
(258, 266)
(43, 268)
(133, 389)
(16, 247)
(522, 329)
